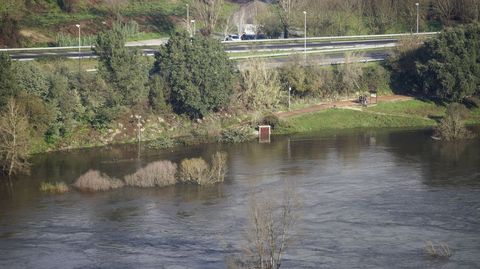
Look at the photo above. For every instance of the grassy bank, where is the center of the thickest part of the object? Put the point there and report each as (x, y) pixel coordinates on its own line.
(412, 113)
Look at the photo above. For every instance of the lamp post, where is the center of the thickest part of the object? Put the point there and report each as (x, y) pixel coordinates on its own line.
(305, 41)
(418, 16)
(194, 30)
(289, 92)
(79, 45)
(188, 20)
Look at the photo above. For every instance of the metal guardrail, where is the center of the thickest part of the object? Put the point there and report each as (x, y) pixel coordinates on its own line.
(326, 38)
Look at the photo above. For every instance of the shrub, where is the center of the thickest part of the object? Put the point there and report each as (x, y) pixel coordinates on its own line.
(235, 135)
(197, 170)
(452, 127)
(271, 119)
(472, 102)
(219, 167)
(163, 142)
(57, 187)
(260, 86)
(194, 170)
(160, 174)
(95, 181)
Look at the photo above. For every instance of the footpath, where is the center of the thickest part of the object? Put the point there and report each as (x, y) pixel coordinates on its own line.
(351, 103)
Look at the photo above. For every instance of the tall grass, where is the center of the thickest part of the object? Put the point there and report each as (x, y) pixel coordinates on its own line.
(95, 181)
(159, 174)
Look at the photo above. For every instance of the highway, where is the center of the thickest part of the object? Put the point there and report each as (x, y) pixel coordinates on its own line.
(238, 50)
(86, 53)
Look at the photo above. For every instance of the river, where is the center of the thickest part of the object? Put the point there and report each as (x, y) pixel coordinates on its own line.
(370, 199)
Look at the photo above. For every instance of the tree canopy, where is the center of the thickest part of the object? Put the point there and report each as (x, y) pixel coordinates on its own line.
(198, 73)
(445, 67)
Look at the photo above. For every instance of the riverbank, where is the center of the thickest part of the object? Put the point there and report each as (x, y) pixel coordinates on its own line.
(168, 131)
(393, 114)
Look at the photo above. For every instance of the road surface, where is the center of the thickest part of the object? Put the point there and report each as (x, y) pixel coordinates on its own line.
(236, 47)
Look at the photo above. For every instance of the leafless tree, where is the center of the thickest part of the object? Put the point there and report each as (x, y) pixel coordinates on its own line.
(261, 87)
(114, 6)
(351, 72)
(14, 138)
(445, 9)
(208, 11)
(286, 10)
(272, 218)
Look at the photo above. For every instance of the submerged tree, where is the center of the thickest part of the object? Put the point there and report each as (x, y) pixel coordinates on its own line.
(452, 126)
(14, 138)
(271, 224)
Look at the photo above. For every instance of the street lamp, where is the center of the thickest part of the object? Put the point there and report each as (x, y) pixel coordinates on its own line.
(289, 92)
(79, 45)
(305, 29)
(418, 16)
(194, 30)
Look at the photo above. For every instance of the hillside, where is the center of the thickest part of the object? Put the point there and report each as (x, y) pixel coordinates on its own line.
(46, 22)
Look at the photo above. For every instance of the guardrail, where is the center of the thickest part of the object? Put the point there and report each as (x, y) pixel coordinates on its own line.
(288, 40)
(329, 38)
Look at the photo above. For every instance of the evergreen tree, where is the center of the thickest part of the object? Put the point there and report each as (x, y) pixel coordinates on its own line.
(8, 81)
(122, 67)
(197, 72)
(451, 70)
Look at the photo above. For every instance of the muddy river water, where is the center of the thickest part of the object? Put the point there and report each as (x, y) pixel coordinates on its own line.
(370, 199)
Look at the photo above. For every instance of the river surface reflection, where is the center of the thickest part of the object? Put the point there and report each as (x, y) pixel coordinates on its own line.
(371, 199)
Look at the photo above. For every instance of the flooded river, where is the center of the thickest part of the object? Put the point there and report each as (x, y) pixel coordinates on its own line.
(370, 199)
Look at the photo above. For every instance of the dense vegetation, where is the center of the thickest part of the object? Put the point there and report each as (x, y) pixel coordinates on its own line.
(447, 67)
(30, 22)
(48, 105)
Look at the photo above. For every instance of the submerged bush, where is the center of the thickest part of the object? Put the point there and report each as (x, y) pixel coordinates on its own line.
(438, 251)
(197, 170)
(160, 174)
(95, 181)
(57, 187)
(219, 167)
(452, 126)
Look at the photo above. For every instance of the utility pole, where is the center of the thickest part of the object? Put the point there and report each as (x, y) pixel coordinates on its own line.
(418, 15)
(188, 20)
(305, 41)
(79, 46)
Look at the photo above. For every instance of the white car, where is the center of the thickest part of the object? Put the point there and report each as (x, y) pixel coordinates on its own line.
(232, 38)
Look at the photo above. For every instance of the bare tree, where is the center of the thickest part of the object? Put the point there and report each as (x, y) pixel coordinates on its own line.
(209, 12)
(286, 9)
(271, 223)
(261, 87)
(14, 138)
(350, 73)
(114, 6)
(445, 9)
